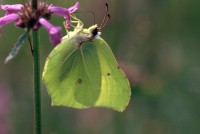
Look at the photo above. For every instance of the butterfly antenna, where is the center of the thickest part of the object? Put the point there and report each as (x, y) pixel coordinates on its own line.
(89, 11)
(94, 19)
(106, 17)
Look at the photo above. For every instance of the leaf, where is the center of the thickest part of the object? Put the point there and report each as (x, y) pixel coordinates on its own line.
(17, 47)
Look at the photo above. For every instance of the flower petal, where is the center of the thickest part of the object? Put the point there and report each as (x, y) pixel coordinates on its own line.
(74, 8)
(11, 8)
(55, 35)
(8, 18)
(58, 10)
(64, 12)
(67, 23)
(54, 31)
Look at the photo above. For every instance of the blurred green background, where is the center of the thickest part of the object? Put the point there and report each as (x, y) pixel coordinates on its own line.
(157, 43)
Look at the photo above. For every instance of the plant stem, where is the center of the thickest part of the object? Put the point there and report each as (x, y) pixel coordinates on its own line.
(37, 92)
(34, 4)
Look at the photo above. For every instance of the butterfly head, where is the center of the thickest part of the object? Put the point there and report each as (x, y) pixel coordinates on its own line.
(95, 30)
(82, 35)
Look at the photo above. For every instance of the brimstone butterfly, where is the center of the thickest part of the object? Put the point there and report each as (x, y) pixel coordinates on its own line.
(82, 72)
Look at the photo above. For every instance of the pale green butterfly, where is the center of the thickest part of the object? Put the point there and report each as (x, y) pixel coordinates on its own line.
(82, 72)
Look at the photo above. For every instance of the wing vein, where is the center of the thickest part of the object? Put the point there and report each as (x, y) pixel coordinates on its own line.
(67, 57)
(85, 67)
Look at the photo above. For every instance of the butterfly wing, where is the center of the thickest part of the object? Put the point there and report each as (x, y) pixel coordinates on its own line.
(68, 76)
(86, 76)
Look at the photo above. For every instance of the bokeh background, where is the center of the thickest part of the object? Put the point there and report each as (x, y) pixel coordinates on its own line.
(157, 43)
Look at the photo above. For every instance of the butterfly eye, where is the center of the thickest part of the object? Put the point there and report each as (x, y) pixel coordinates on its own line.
(95, 32)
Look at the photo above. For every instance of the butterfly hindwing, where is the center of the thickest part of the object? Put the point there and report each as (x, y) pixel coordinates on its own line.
(68, 75)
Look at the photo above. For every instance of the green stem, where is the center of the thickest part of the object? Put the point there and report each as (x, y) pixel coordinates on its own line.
(34, 4)
(37, 92)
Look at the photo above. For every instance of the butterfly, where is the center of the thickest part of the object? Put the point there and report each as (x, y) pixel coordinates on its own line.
(82, 72)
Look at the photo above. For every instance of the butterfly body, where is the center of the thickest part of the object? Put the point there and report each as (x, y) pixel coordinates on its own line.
(80, 35)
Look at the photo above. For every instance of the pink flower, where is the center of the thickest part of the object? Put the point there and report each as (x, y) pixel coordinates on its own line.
(11, 8)
(25, 17)
(8, 19)
(54, 31)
